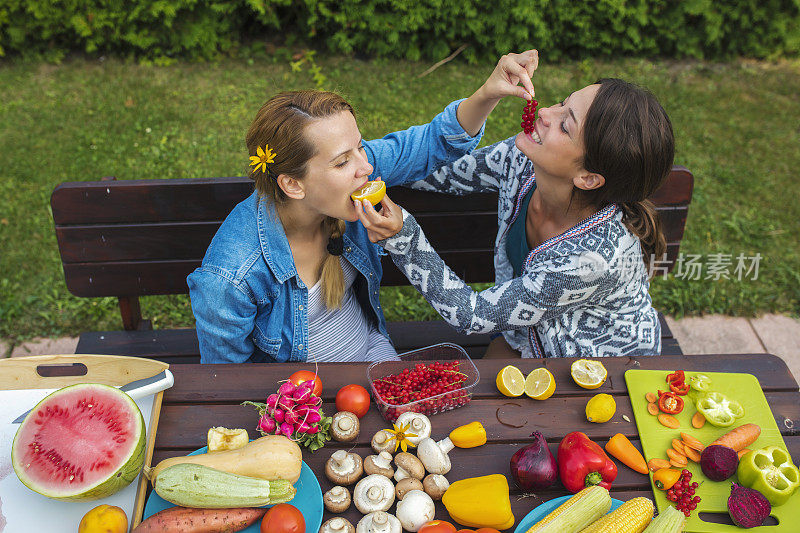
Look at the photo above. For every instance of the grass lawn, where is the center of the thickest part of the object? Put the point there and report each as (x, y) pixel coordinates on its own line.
(735, 123)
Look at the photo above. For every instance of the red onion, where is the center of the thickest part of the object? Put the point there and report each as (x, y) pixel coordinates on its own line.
(534, 467)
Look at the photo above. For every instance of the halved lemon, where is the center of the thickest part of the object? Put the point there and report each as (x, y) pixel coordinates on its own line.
(510, 381)
(374, 191)
(588, 373)
(540, 384)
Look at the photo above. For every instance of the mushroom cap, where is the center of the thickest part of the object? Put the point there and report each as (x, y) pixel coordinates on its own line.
(337, 499)
(436, 461)
(390, 523)
(334, 472)
(373, 493)
(335, 525)
(406, 485)
(408, 465)
(381, 442)
(418, 423)
(379, 464)
(415, 509)
(344, 426)
(435, 485)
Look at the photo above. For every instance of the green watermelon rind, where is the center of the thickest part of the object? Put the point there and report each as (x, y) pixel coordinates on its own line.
(117, 481)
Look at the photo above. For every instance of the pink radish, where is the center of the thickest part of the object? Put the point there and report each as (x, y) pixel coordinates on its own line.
(277, 414)
(313, 417)
(303, 428)
(286, 403)
(287, 429)
(272, 401)
(266, 424)
(287, 389)
(290, 417)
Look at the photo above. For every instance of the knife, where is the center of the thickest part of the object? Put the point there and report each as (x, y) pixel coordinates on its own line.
(135, 389)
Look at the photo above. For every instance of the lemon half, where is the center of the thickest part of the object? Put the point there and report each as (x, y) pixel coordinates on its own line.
(540, 384)
(588, 373)
(510, 381)
(374, 191)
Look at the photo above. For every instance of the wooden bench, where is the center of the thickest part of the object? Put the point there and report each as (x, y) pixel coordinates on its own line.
(132, 238)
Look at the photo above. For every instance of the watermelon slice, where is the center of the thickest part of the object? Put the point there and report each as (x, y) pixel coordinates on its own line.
(82, 442)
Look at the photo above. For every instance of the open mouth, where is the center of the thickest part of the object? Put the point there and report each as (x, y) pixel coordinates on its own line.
(535, 137)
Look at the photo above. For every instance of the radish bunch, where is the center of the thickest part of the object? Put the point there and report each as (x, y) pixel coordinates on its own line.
(295, 412)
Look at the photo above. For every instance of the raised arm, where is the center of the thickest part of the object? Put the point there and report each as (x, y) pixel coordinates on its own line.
(550, 290)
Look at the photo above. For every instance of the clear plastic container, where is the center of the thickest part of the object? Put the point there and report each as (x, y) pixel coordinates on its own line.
(446, 401)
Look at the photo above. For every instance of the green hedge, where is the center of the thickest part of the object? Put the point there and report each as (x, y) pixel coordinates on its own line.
(425, 29)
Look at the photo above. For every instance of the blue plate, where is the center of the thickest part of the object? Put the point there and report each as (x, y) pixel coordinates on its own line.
(544, 509)
(308, 500)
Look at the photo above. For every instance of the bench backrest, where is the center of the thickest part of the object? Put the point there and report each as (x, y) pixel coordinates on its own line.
(132, 238)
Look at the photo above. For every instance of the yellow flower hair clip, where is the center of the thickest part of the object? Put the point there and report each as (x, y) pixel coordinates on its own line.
(264, 156)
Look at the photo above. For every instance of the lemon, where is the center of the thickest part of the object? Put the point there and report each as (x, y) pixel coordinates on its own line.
(374, 191)
(510, 381)
(540, 384)
(588, 373)
(600, 408)
(104, 519)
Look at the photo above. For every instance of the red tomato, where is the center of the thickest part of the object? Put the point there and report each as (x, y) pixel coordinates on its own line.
(283, 518)
(304, 375)
(353, 398)
(437, 526)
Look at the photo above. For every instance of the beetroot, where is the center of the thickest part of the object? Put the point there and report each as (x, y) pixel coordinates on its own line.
(747, 507)
(719, 462)
(534, 467)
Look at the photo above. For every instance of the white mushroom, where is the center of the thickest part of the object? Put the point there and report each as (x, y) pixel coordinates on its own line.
(406, 486)
(408, 466)
(418, 424)
(373, 493)
(435, 485)
(382, 442)
(434, 455)
(344, 426)
(337, 500)
(379, 464)
(414, 510)
(344, 468)
(337, 525)
(379, 522)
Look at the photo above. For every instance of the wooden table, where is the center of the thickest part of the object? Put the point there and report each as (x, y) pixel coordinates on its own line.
(209, 395)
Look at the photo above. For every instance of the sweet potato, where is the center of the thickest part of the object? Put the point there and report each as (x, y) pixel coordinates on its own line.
(188, 520)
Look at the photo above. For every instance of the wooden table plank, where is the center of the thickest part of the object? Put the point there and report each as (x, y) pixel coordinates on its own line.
(236, 383)
(207, 395)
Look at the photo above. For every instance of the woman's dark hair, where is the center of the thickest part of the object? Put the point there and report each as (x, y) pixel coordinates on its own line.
(628, 139)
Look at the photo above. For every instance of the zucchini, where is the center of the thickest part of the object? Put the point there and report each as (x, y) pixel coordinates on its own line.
(192, 485)
(670, 520)
(576, 513)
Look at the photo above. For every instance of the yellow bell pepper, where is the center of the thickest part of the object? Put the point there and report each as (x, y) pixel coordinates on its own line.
(480, 502)
(469, 435)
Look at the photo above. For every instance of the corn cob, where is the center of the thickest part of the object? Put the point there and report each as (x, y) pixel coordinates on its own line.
(576, 513)
(630, 517)
(670, 520)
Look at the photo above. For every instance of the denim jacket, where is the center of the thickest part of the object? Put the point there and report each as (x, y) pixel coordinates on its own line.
(249, 303)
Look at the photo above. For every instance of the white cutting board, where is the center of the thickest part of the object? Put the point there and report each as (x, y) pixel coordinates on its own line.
(25, 511)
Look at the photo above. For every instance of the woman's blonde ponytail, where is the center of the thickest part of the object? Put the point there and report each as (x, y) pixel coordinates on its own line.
(332, 274)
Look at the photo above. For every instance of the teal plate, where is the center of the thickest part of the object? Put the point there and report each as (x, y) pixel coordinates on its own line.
(308, 500)
(546, 508)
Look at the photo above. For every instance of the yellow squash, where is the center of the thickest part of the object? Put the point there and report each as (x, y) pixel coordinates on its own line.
(271, 457)
(480, 502)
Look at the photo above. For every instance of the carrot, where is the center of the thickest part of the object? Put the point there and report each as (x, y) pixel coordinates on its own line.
(657, 464)
(739, 438)
(675, 456)
(652, 409)
(669, 421)
(698, 420)
(692, 454)
(691, 442)
(621, 448)
(188, 520)
(741, 453)
(678, 446)
(651, 397)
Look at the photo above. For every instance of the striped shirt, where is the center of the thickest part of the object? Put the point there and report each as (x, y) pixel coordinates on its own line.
(343, 335)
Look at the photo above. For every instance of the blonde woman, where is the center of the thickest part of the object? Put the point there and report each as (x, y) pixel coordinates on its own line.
(291, 275)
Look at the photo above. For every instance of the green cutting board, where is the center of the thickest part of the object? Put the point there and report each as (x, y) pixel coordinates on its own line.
(656, 438)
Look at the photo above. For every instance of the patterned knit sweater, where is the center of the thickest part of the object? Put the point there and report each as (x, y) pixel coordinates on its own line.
(583, 293)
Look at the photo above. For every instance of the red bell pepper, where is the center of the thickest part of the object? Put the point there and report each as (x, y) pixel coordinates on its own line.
(582, 463)
(670, 403)
(677, 383)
